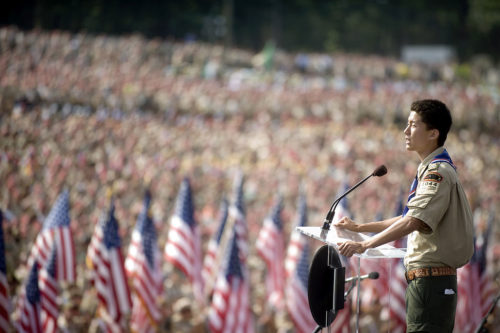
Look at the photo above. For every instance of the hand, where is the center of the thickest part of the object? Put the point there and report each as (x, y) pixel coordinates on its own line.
(350, 248)
(347, 223)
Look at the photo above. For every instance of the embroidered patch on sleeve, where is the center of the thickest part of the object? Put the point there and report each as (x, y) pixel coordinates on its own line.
(433, 177)
(430, 183)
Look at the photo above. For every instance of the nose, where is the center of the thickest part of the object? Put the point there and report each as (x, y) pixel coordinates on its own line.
(407, 130)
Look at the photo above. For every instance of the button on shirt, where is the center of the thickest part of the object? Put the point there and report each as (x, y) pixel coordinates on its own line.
(441, 203)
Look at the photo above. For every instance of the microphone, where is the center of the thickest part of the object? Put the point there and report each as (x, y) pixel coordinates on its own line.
(378, 172)
(372, 275)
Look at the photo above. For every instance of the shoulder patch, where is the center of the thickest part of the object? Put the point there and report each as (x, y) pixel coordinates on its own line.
(433, 177)
(430, 183)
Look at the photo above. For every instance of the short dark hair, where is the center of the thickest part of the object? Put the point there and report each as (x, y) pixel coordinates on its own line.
(436, 115)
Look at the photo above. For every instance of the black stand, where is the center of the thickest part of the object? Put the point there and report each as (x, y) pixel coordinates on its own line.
(327, 276)
(325, 288)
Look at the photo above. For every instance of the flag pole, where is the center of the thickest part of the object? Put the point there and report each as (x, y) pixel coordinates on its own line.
(481, 328)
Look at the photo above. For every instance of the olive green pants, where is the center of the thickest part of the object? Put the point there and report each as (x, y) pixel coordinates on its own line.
(431, 303)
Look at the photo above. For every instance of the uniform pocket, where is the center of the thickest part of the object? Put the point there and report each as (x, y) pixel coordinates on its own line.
(430, 304)
(443, 302)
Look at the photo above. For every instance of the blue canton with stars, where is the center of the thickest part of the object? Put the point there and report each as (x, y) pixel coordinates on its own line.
(223, 219)
(302, 211)
(276, 214)
(184, 206)
(233, 268)
(238, 194)
(147, 230)
(110, 229)
(59, 214)
(32, 291)
(303, 266)
(52, 263)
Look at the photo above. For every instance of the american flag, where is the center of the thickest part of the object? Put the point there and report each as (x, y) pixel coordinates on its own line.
(237, 217)
(271, 247)
(468, 313)
(395, 301)
(29, 307)
(238, 201)
(183, 247)
(399, 204)
(342, 208)
(373, 292)
(297, 241)
(105, 261)
(108, 325)
(389, 289)
(4, 287)
(56, 233)
(487, 286)
(141, 321)
(476, 288)
(49, 290)
(297, 268)
(393, 278)
(211, 263)
(143, 268)
(297, 301)
(230, 308)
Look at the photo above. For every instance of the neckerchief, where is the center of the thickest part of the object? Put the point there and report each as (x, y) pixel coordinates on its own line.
(443, 157)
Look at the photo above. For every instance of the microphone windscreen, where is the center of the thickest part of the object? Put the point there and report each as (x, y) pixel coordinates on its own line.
(373, 275)
(380, 171)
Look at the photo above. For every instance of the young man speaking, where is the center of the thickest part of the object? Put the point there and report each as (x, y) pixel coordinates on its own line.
(437, 218)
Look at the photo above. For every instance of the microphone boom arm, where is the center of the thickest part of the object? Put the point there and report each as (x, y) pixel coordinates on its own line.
(331, 212)
(378, 172)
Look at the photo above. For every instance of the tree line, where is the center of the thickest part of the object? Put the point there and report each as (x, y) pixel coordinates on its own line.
(365, 26)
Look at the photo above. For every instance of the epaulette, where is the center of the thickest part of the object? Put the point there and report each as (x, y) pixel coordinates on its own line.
(433, 166)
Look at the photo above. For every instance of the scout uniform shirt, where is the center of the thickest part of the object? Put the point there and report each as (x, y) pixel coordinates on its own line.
(440, 202)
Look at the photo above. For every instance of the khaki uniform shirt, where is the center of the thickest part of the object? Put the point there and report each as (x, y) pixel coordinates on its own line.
(439, 202)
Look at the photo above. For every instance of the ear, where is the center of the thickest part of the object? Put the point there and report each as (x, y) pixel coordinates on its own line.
(434, 135)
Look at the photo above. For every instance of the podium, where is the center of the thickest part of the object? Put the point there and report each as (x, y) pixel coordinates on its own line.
(328, 275)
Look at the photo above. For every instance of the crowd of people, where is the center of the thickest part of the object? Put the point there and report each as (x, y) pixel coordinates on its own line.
(93, 113)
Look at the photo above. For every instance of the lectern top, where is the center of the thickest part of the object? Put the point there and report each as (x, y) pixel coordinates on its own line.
(336, 235)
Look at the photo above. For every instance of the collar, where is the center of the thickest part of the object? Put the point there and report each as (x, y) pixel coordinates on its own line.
(425, 163)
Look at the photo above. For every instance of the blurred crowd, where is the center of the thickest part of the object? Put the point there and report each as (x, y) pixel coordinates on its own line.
(127, 74)
(91, 113)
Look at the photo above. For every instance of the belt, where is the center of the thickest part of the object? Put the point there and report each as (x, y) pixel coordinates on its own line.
(429, 271)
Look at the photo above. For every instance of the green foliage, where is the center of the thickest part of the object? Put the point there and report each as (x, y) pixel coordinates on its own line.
(485, 15)
(373, 26)
(463, 72)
